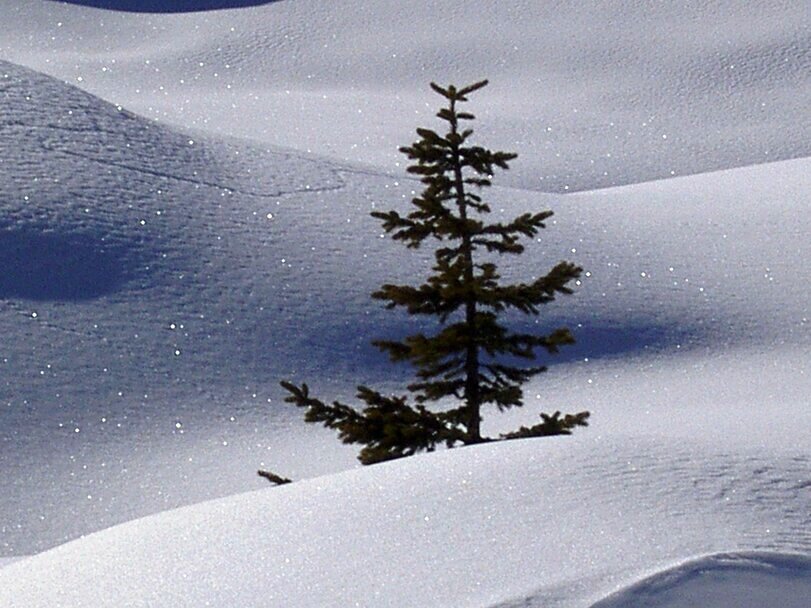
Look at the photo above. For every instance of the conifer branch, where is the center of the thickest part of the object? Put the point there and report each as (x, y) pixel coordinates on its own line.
(273, 478)
(551, 425)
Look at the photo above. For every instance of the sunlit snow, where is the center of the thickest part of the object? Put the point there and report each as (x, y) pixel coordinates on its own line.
(184, 221)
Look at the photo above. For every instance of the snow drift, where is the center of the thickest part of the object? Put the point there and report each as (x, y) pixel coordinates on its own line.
(212, 266)
(748, 580)
(159, 280)
(591, 95)
(556, 522)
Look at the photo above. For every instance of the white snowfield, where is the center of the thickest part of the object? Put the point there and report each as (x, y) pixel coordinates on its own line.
(591, 94)
(533, 523)
(159, 279)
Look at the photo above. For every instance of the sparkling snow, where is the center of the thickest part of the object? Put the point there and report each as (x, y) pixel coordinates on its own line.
(159, 278)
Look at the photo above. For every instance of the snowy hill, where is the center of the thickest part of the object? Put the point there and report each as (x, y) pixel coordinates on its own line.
(160, 277)
(748, 580)
(547, 523)
(681, 418)
(145, 285)
(177, 303)
(592, 95)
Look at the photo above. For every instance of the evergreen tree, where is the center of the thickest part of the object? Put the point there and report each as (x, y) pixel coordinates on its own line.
(473, 360)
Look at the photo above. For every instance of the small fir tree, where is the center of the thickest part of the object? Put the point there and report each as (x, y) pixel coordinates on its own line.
(473, 360)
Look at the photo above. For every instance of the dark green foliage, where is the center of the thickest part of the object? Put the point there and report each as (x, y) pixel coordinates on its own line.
(387, 426)
(473, 359)
(551, 425)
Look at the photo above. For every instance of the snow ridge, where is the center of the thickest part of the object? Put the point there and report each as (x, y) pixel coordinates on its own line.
(740, 580)
(501, 515)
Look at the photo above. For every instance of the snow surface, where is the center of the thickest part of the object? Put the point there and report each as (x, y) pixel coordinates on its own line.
(159, 279)
(5, 561)
(723, 581)
(555, 522)
(592, 94)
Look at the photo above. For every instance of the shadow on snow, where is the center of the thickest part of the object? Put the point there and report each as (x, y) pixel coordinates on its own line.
(604, 338)
(167, 6)
(42, 265)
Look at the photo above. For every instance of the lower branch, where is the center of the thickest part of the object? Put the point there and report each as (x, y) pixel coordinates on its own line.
(551, 425)
(273, 478)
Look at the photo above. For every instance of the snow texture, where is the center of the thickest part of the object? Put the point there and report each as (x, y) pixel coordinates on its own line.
(748, 580)
(558, 521)
(591, 95)
(161, 273)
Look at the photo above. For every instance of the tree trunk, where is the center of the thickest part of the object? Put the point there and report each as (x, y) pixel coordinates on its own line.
(472, 393)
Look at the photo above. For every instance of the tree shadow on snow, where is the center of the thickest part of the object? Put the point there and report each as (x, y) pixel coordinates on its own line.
(167, 6)
(38, 265)
(602, 338)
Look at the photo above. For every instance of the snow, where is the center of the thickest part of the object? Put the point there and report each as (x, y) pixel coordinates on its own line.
(161, 277)
(723, 581)
(590, 95)
(555, 520)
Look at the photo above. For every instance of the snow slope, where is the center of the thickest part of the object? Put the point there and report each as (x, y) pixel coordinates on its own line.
(592, 94)
(689, 438)
(178, 303)
(723, 581)
(549, 523)
(159, 280)
(145, 280)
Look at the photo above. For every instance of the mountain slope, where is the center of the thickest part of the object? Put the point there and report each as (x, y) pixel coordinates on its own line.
(560, 521)
(162, 283)
(592, 94)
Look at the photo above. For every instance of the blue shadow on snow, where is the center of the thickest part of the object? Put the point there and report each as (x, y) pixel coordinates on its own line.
(596, 339)
(47, 266)
(168, 6)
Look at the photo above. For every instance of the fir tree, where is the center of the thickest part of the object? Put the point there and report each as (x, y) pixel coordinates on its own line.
(474, 359)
